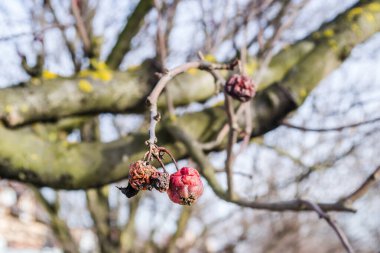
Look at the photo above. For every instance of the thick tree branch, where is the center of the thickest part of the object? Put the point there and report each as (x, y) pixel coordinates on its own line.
(123, 43)
(310, 61)
(84, 165)
(62, 97)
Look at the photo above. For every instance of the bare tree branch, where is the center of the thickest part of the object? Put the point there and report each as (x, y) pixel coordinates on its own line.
(82, 31)
(208, 171)
(330, 129)
(83, 165)
(363, 188)
(59, 227)
(333, 225)
(97, 203)
(69, 45)
(123, 43)
(164, 80)
(232, 138)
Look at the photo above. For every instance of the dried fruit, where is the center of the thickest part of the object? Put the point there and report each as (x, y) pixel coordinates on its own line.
(140, 173)
(240, 87)
(185, 186)
(160, 181)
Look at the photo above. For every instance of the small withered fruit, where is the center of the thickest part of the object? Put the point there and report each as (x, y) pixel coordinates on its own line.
(143, 176)
(240, 87)
(185, 186)
(160, 181)
(140, 174)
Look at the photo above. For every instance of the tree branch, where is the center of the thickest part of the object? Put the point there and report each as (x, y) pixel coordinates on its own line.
(59, 227)
(82, 31)
(330, 129)
(84, 165)
(63, 97)
(322, 214)
(208, 171)
(363, 188)
(232, 138)
(162, 83)
(123, 43)
(69, 45)
(97, 203)
(310, 60)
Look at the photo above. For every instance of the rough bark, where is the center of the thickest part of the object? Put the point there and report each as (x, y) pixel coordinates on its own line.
(126, 91)
(62, 97)
(84, 165)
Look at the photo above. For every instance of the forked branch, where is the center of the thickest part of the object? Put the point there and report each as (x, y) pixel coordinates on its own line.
(164, 80)
(208, 171)
(322, 214)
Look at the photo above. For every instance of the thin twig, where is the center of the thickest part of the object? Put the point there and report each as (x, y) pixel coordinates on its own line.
(232, 131)
(248, 126)
(35, 33)
(332, 223)
(340, 128)
(160, 161)
(162, 51)
(171, 156)
(240, 173)
(69, 45)
(266, 50)
(83, 34)
(170, 14)
(208, 171)
(232, 138)
(246, 106)
(160, 35)
(168, 76)
(363, 188)
(218, 140)
(223, 132)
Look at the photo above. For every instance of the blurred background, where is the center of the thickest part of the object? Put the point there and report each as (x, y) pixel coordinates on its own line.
(44, 40)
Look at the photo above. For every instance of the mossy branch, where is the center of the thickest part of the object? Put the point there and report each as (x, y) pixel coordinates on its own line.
(86, 165)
